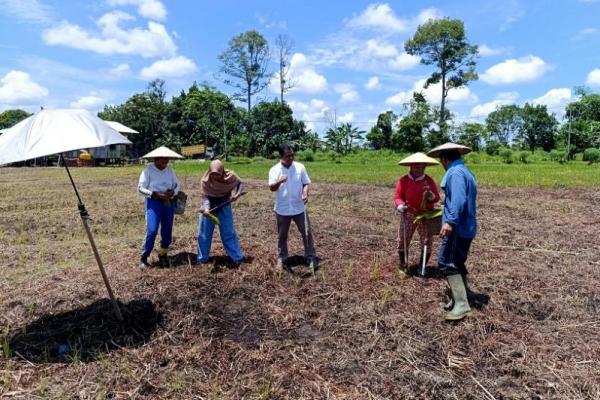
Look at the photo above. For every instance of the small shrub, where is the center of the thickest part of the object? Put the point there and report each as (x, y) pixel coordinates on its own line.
(492, 147)
(306, 155)
(506, 155)
(559, 156)
(258, 159)
(524, 157)
(591, 155)
(473, 158)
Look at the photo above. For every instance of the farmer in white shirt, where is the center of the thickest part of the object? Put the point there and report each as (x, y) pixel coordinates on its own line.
(159, 185)
(289, 180)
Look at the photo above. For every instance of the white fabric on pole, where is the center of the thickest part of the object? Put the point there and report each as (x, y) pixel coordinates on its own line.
(56, 131)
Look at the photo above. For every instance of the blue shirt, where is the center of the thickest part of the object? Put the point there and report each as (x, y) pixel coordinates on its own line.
(460, 208)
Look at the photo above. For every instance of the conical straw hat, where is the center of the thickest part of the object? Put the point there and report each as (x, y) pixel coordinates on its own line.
(418, 158)
(162, 152)
(449, 146)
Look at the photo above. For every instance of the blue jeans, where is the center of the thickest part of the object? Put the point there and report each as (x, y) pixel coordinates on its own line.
(453, 254)
(157, 213)
(228, 235)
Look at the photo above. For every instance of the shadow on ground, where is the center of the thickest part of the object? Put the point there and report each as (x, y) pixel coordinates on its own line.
(85, 334)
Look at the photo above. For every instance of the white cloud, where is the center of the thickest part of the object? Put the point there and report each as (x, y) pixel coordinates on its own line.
(313, 113)
(486, 51)
(92, 102)
(120, 70)
(427, 14)
(347, 92)
(404, 61)
(302, 75)
(152, 9)
(373, 83)
(17, 87)
(346, 117)
(502, 99)
(169, 68)
(112, 39)
(524, 69)
(433, 94)
(378, 49)
(379, 16)
(593, 77)
(555, 99)
(28, 10)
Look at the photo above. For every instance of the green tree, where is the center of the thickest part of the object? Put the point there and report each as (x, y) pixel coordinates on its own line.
(583, 123)
(380, 135)
(415, 126)
(443, 43)
(145, 112)
(472, 134)
(504, 123)
(9, 118)
(245, 65)
(538, 128)
(272, 124)
(343, 138)
(212, 115)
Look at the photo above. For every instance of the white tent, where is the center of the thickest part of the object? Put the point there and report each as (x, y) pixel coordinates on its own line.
(55, 132)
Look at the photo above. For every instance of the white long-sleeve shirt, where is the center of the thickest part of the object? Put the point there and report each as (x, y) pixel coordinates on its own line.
(153, 179)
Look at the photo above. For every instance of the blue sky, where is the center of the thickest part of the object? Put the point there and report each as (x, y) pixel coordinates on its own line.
(348, 57)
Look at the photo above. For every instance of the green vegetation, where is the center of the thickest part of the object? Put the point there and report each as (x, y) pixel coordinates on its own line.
(380, 168)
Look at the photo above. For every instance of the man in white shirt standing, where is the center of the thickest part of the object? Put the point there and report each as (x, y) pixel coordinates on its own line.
(289, 180)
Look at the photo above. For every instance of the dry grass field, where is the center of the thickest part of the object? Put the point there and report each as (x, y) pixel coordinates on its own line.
(353, 331)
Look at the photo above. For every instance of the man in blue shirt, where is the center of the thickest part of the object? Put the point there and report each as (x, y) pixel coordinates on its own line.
(459, 224)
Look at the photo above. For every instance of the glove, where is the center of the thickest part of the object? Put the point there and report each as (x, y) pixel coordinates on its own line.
(401, 208)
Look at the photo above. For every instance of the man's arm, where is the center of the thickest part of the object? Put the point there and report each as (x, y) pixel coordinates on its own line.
(456, 197)
(275, 186)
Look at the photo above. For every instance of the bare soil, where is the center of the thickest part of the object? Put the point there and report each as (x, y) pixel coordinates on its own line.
(356, 330)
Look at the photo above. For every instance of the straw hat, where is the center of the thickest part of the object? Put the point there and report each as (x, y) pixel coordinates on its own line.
(418, 158)
(449, 146)
(162, 152)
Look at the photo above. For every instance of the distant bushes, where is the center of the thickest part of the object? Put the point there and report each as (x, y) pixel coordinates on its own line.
(591, 155)
(305, 155)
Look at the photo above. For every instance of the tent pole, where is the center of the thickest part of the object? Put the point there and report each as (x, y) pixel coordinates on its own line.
(85, 218)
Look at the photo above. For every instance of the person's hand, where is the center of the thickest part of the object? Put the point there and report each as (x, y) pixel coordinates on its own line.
(283, 178)
(446, 230)
(204, 211)
(401, 208)
(305, 198)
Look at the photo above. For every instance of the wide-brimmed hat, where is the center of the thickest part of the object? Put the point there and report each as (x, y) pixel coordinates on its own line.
(418, 158)
(449, 146)
(162, 152)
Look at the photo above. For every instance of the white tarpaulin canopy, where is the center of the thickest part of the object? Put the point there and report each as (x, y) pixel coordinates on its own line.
(119, 127)
(53, 132)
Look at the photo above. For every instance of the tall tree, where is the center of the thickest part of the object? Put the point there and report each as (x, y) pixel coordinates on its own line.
(504, 123)
(284, 49)
(472, 134)
(538, 128)
(272, 125)
(443, 43)
(415, 126)
(246, 62)
(380, 136)
(9, 118)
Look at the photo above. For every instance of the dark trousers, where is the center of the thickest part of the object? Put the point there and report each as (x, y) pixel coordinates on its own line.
(303, 224)
(453, 254)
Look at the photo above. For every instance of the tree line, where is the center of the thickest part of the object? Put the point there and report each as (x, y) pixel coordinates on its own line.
(203, 114)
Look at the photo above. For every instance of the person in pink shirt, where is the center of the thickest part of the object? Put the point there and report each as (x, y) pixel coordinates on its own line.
(415, 193)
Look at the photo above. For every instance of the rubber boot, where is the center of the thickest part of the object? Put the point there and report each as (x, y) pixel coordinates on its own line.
(163, 258)
(461, 306)
(470, 295)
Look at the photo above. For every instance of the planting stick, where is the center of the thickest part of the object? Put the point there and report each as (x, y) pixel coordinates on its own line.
(404, 229)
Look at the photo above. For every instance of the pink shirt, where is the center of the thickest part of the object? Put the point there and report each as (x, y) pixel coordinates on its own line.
(410, 191)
